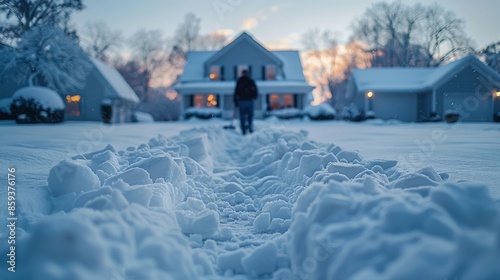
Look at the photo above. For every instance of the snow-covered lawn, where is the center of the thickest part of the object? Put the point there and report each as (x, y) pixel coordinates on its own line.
(295, 200)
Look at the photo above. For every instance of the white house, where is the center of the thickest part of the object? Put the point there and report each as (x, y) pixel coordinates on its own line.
(209, 78)
(466, 86)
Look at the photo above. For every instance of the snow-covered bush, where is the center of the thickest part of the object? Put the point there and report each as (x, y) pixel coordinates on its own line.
(5, 109)
(435, 117)
(451, 116)
(203, 113)
(352, 113)
(370, 115)
(285, 114)
(37, 105)
(322, 111)
(138, 116)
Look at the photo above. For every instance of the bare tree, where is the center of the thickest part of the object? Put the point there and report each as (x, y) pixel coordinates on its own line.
(22, 15)
(100, 41)
(398, 34)
(211, 41)
(327, 64)
(148, 50)
(491, 54)
(46, 56)
(187, 33)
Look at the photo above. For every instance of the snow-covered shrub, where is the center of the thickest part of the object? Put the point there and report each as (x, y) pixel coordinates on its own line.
(5, 109)
(370, 115)
(37, 105)
(451, 116)
(352, 113)
(285, 114)
(320, 112)
(203, 113)
(435, 117)
(138, 116)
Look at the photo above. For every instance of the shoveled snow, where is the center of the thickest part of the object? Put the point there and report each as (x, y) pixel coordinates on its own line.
(207, 203)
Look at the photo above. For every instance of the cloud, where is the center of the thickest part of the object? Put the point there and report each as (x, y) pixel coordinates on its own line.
(275, 9)
(225, 32)
(280, 44)
(249, 23)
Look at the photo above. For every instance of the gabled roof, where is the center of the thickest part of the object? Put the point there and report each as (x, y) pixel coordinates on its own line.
(119, 87)
(418, 79)
(244, 36)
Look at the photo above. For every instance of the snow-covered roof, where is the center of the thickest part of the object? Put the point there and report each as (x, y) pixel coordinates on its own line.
(120, 88)
(227, 87)
(417, 79)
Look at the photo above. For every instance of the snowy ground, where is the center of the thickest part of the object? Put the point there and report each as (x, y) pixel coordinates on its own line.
(295, 200)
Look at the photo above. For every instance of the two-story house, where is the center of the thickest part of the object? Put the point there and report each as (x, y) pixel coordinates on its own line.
(209, 78)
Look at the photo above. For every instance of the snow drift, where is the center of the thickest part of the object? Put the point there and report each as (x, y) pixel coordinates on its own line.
(211, 203)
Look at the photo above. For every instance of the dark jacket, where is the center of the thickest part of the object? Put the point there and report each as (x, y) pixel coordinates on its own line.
(245, 90)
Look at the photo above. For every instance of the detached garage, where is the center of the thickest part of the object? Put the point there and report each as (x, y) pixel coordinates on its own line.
(466, 86)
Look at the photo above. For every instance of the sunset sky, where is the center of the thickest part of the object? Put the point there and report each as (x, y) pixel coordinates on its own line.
(277, 23)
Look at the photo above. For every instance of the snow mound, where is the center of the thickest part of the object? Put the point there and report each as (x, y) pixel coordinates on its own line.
(46, 97)
(210, 204)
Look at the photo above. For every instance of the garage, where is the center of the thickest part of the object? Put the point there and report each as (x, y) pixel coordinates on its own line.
(470, 106)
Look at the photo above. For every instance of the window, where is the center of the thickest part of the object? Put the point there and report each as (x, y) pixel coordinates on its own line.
(73, 105)
(274, 102)
(239, 70)
(270, 71)
(215, 73)
(281, 101)
(288, 101)
(205, 100)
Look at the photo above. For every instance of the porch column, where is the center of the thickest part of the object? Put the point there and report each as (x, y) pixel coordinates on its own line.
(434, 105)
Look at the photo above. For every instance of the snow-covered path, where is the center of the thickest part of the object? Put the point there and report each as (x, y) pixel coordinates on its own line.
(209, 203)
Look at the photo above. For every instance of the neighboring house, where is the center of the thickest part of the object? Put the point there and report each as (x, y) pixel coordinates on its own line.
(104, 86)
(466, 86)
(209, 78)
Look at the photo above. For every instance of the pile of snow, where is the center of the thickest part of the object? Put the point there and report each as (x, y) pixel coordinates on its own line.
(203, 112)
(322, 111)
(286, 113)
(138, 116)
(211, 203)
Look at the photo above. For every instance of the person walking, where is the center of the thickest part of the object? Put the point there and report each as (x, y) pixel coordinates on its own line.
(245, 93)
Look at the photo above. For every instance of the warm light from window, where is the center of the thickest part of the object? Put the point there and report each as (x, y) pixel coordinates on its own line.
(73, 98)
(497, 94)
(211, 100)
(215, 72)
(213, 76)
(73, 105)
(369, 94)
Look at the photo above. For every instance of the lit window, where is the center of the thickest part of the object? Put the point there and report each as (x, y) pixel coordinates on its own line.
(288, 101)
(274, 102)
(198, 100)
(202, 100)
(212, 100)
(270, 72)
(214, 73)
(497, 94)
(73, 105)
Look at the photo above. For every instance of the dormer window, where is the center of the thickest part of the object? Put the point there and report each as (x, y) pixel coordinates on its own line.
(270, 73)
(215, 73)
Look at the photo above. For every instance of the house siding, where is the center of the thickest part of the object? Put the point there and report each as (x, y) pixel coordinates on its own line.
(466, 93)
(395, 106)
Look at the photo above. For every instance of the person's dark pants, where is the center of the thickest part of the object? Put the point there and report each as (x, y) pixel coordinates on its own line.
(246, 115)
